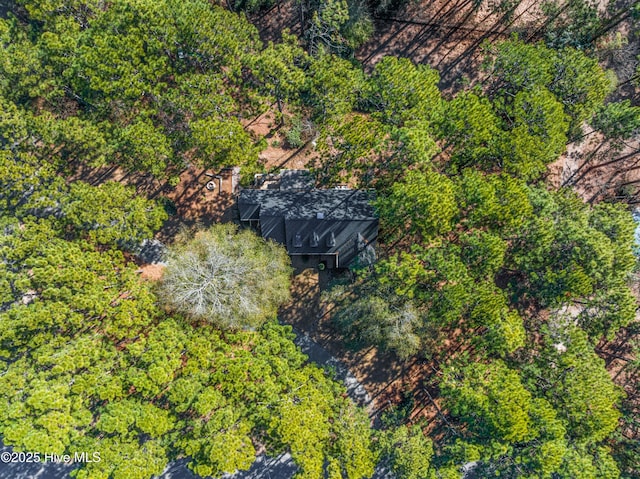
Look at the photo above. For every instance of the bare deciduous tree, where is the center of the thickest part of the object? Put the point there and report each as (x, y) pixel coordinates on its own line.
(229, 277)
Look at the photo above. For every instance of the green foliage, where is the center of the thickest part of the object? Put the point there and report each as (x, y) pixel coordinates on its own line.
(90, 363)
(301, 422)
(407, 451)
(389, 323)
(215, 431)
(232, 279)
(538, 134)
(520, 66)
(252, 5)
(13, 125)
(191, 94)
(483, 253)
(580, 84)
(414, 144)
(473, 130)
(132, 48)
(574, 24)
(351, 151)
(212, 39)
(626, 451)
(337, 26)
(491, 399)
(111, 214)
(445, 284)
(498, 246)
(618, 120)
(471, 249)
(360, 26)
(66, 282)
(130, 82)
(498, 202)
(505, 332)
(352, 450)
(293, 134)
(584, 463)
(68, 141)
(576, 80)
(608, 310)
(402, 91)
(413, 294)
(78, 10)
(22, 74)
(122, 54)
(144, 147)
(28, 186)
(565, 383)
(511, 429)
(423, 204)
(576, 383)
(537, 98)
(567, 251)
(506, 245)
(278, 71)
(223, 142)
(333, 85)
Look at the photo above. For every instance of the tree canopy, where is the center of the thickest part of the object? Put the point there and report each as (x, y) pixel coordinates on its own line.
(231, 278)
(506, 282)
(92, 362)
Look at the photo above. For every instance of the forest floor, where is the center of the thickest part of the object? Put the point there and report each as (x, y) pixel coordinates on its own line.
(448, 35)
(190, 203)
(451, 37)
(386, 379)
(389, 381)
(277, 155)
(598, 170)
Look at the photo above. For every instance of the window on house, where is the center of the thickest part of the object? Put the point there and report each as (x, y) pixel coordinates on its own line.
(331, 239)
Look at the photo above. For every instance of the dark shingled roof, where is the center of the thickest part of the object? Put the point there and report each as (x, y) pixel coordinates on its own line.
(296, 180)
(305, 205)
(335, 225)
(328, 236)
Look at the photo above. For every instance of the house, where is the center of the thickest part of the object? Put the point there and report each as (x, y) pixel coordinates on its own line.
(329, 228)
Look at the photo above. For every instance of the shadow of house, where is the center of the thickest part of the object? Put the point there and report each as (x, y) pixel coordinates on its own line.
(320, 228)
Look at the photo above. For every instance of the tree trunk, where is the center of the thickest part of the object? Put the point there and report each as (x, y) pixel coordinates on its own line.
(609, 182)
(620, 16)
(548, 21)
(590, 156)
(611, 162)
